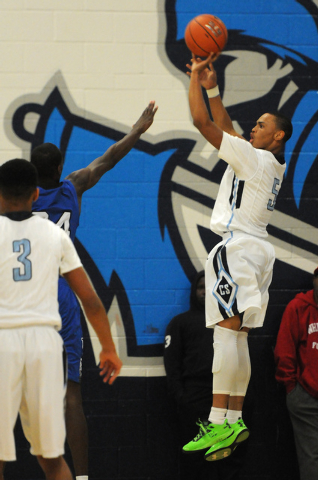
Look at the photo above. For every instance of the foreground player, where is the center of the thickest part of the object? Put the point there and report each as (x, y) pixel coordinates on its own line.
(61, 203)
(238, 269)
(32, 369)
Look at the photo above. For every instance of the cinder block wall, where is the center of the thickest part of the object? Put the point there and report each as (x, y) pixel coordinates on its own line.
(79, 74)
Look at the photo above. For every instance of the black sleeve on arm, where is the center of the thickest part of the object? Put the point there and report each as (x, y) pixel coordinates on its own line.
(173, 355)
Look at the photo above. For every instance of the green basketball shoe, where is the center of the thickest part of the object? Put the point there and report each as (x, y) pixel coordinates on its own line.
(208, 435)
(226, 447)
(240, 431)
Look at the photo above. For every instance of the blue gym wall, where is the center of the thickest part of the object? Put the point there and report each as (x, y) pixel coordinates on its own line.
(144, 228)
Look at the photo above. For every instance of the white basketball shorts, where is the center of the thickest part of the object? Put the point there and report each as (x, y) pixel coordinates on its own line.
(238, 274)
(32, 383)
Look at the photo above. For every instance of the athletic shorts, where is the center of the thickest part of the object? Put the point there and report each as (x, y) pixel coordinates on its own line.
(238, 274)
(71, 331)
(32, 383)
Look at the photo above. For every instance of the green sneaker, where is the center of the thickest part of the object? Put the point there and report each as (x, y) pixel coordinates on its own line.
(241, 431)
(226, 447)
(208, 435)
(221, 450)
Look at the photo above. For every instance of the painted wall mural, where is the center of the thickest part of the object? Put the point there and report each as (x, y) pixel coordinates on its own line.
(144, 227)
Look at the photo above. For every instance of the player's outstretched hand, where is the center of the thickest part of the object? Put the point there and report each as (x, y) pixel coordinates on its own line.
(146, 118)
(110, 366)
(205, 69)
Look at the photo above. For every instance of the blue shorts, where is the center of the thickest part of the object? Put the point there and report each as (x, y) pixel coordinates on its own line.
(71, 331)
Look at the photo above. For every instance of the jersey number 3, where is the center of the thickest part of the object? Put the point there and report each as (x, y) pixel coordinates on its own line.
(23, 273)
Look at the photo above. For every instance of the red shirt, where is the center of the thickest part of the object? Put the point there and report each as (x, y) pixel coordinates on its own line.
(296, 351)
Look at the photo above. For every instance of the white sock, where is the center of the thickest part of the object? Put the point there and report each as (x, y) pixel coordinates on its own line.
(217, 415)
(232, 416)
(82, 477)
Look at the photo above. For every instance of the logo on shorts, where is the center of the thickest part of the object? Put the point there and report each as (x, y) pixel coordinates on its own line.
(225, 291)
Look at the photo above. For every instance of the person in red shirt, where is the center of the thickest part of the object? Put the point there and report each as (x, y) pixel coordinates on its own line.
(296, 357)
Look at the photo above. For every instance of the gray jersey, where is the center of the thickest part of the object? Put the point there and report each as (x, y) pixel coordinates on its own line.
(248, 190)
(33, 252)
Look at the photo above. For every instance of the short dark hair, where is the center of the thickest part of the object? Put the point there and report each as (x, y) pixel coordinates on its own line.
(18, 179)
(283, 123)
(47, 158)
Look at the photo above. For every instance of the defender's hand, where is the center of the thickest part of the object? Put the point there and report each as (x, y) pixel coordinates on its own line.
(146, 118)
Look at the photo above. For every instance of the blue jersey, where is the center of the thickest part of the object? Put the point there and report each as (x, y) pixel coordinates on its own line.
(60, 205)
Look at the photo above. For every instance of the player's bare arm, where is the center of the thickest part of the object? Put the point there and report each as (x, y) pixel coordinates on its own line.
(199, 112)
(208, 80)
(110, 363)
(86, 178)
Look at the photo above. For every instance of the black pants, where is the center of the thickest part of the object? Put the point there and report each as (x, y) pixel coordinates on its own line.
(303, 411)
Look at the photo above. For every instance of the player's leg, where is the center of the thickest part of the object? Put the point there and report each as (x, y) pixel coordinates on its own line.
(232, 287)
(252, 300)
(55, 468)
(42, 408)
(225, 366)
(260, 278)
(225, 361)
(11, 385)
(76, 425)
(235, 404)
(221, 313)
(2, 464)
(236, 400)
(240, 271)
(42, 405)
(76, 428)
(224, 369)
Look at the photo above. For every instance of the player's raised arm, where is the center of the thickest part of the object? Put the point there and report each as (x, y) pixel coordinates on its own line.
(110, 363)
(199, 112)
(86, 178)
(208, 80)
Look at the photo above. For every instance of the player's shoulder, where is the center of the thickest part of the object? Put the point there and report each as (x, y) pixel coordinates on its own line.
(235, 137)
(235, 143)
(67, 192)
(4, 223)
(42, 228)
(65, 189)
(67, 184)
(80, 179)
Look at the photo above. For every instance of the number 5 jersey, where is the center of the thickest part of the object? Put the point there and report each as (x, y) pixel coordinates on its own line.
(248, 190)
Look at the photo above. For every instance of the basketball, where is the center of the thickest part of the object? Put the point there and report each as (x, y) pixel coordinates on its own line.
(205, 34)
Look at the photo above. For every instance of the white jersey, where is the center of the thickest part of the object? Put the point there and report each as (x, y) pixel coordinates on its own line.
(33, 252)
(248, 189)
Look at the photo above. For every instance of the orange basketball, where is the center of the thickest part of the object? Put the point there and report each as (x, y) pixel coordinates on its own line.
(205, 34)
